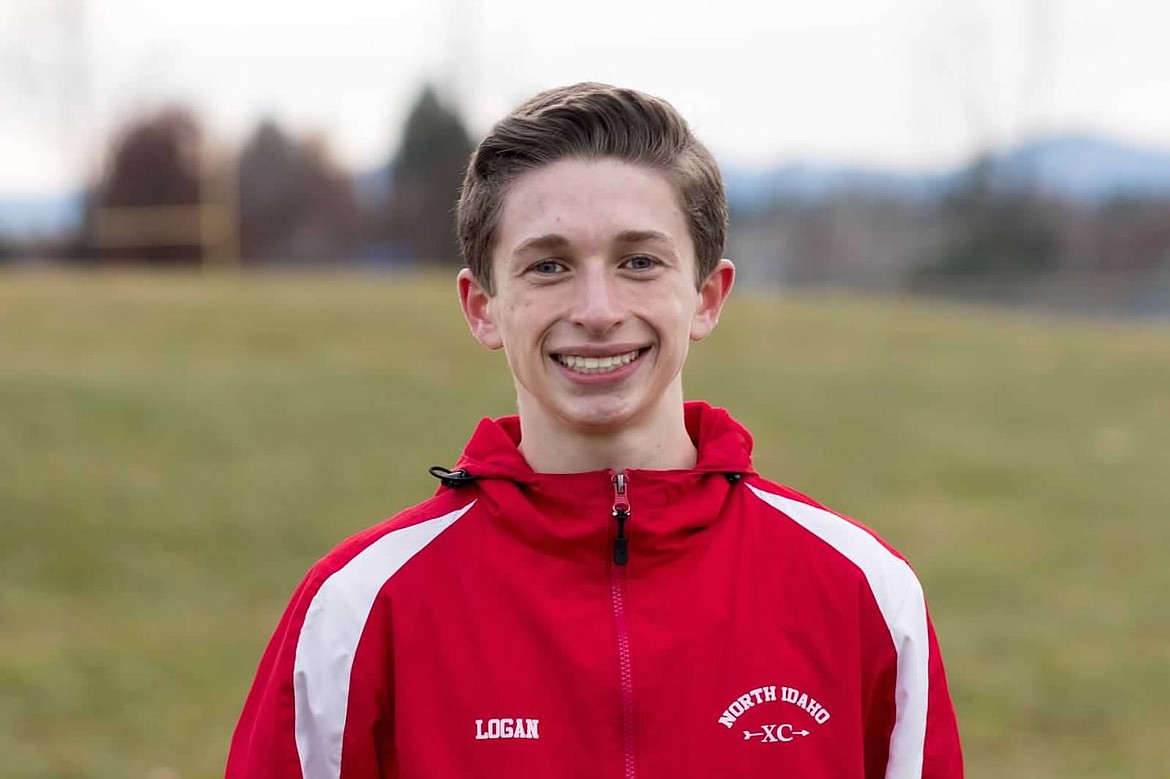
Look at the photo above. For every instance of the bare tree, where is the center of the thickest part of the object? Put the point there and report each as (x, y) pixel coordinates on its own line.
(296, 205)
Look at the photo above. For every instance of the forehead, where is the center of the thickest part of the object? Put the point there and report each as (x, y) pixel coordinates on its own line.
(590, 203)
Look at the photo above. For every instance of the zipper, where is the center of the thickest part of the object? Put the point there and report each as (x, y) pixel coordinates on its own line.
(621, 512)
(621, 556)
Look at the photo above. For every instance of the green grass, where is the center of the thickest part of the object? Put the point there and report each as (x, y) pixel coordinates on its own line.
(175, 451)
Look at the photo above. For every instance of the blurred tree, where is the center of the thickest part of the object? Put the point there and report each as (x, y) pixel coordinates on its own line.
(9, 250)
(994, 229)
(154, 161)
(1134, 234)
(268, 184)
(425, 178)
(296, 205)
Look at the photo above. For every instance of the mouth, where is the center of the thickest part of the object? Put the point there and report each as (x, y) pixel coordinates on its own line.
(592, 365)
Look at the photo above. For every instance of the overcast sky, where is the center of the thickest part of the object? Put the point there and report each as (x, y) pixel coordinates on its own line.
(905, 83)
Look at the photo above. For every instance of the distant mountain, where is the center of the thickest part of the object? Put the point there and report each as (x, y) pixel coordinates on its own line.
(36, 216)
(1083, 168)
(812, 183)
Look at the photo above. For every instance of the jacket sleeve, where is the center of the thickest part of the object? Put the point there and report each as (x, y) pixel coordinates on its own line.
(912, 733)
(296, 725)
(942, 754)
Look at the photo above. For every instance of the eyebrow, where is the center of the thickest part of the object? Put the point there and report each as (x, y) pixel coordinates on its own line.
(643, 236)
(550, 242)
(555, 241)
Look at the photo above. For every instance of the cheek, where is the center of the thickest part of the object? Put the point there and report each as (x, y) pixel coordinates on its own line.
(678, 318)
(521, 325)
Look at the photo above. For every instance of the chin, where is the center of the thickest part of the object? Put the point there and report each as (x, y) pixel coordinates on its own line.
(601, 415)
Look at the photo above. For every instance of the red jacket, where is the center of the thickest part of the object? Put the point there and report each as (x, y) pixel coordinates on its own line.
(508, 627)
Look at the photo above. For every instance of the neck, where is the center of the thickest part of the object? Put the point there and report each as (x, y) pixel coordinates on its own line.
(658, 442)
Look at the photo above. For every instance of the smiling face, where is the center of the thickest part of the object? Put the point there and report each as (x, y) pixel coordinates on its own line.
(595, 299)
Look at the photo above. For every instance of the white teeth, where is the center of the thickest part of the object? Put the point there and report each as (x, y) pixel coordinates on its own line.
(597, 364)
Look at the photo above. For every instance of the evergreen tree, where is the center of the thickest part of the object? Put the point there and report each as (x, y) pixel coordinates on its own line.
(425, 178)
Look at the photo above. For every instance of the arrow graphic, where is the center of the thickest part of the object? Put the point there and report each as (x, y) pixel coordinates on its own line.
(772, 734)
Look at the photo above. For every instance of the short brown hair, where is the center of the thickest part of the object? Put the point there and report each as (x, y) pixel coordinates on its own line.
(590, 120)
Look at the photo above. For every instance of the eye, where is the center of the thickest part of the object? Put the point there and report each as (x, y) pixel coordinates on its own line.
(641, 262)
(548, 267)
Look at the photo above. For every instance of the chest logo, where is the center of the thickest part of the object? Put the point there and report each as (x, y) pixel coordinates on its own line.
(774, 732)
(506, 727)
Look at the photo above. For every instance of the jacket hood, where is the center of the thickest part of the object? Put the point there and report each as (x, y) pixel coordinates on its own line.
(571, 515)
(723, 444)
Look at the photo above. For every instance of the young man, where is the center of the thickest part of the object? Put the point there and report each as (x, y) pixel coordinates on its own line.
(604, 587)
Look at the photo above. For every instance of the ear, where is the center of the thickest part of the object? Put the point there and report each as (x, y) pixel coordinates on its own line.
(713, 293)
(475, 302)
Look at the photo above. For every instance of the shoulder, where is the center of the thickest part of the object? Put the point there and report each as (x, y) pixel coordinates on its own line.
(841, 540)
(360, 565)
(335, 602)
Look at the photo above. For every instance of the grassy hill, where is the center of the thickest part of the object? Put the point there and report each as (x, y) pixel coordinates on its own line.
(175, 451)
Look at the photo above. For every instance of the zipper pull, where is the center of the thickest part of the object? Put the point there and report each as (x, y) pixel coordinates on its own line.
(621, 512)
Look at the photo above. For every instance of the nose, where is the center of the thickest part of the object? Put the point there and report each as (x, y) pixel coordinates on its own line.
(597, 307)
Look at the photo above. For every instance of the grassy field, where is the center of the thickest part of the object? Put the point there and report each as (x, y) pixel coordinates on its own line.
(174, 452)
